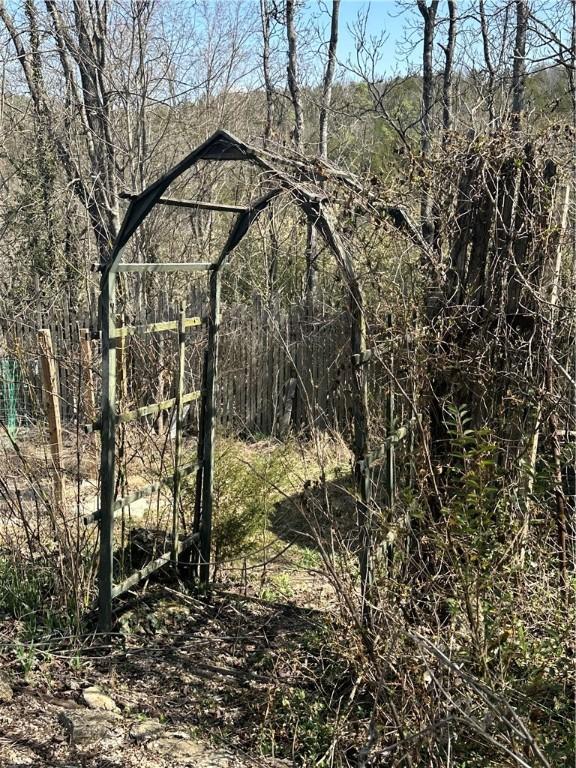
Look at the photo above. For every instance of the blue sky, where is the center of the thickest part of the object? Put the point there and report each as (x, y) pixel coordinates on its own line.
(384, 16)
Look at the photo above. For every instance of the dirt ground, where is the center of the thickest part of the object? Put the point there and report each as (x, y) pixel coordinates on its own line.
(185, 681)
(202, 671)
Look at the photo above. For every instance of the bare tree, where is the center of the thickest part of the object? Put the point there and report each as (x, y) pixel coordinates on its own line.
(81, 49)
(268, 84)
(328, 79)
(429, 16)
(487, 60)
(293, 79)
(519, 65)
(42, 146)
(449, 49)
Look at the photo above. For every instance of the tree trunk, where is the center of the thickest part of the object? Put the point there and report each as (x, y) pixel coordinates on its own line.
(519, 66)
(328, 80)
(82, 50)
(449, 48)
(268, 85)
(293, 81)
(429, 16)
(488, 62)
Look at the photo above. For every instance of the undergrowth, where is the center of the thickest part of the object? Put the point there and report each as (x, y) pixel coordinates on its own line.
(249, 482)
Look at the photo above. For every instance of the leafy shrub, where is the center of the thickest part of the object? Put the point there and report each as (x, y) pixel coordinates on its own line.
(300, 721)
(248, 482)
(300, 724)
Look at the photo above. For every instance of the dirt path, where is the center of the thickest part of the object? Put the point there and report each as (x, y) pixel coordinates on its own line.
(186, 683)
(60, 731)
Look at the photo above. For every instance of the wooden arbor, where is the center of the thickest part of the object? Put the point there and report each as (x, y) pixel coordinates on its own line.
(312, 200)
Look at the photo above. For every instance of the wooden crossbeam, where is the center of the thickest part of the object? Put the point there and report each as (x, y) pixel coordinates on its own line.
(141, 493)
(141, 330)
(203, 205)
(155, 408)
(155, 565)
(146, 410)
(199, 266)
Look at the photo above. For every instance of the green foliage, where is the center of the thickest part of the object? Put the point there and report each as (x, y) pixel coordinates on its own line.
(27, 593)
(247, 485)
(304, 557)
(478, 506)
(512, 625)
(22, 589)
(41, 227)
(300, 724)
(548, 93)
(278, 587)
(26, 655)
(300, 721)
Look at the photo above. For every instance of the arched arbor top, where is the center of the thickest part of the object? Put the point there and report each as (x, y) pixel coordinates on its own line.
(314, 201)
(224, 147)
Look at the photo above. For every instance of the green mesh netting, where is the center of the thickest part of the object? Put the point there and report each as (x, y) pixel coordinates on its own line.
(9, 389)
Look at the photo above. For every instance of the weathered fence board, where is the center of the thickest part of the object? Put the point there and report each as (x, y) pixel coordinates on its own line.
(262, 350)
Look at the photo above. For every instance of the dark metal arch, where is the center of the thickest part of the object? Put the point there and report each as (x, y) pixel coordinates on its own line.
(220, 146)
(223, 146)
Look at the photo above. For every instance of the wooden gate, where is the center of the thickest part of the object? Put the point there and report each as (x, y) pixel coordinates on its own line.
(308, 193)
(111, 509)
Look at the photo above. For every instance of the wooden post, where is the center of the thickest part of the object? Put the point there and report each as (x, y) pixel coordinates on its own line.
(200, 470)
(88, 392)
(209, 411)
(122, 376)
(108, 452)
(361, 433)
(178, 437)
(52, 403)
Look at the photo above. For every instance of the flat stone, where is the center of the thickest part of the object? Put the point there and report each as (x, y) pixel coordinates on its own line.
(215, 758)
(145, 730)
(178, 750)
(6, 692)
(85, 727)
(94, 698)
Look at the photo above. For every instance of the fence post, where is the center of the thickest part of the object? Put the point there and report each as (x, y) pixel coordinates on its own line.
(88, 392)
(199, 481)
(52, 403)
(209, 408)
(121, 365)
(178, 422)
(108, 452)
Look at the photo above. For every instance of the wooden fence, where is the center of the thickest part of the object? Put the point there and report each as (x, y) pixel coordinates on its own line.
(19, 344)
(277, 368)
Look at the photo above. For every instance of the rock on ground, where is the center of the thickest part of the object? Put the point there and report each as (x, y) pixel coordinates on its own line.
(88, 727)
(146, 730)
(179, 750)
(95, 698)
(6, 692)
